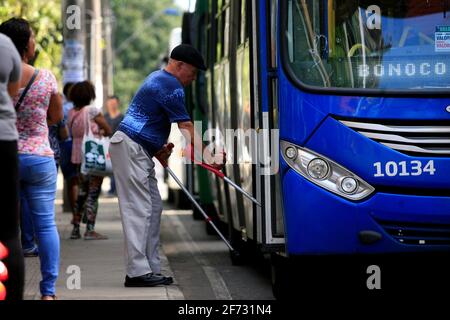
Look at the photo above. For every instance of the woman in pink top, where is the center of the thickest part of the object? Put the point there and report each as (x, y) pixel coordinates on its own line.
(82, 94)
(39, 107)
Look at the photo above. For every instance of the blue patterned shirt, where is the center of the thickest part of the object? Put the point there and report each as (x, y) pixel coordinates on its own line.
(158, 103)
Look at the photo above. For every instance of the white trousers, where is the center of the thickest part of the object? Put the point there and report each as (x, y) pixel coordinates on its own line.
(140, 204)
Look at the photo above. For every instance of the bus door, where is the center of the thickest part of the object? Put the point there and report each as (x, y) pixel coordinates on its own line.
(269, 217)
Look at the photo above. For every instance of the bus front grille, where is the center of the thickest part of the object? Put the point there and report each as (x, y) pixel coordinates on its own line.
(417, 233)
(427, 139)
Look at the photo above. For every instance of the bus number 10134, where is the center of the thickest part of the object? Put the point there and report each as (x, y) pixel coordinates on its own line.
(404, 168)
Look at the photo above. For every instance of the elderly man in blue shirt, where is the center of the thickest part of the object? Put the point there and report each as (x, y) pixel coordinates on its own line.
(142, 134)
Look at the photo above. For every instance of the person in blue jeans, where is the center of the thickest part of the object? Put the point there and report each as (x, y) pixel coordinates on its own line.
(38, 104)
(57, 133)
(38, 189)
(29, 246)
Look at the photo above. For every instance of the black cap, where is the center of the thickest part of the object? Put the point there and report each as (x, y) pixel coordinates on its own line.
(188, 54)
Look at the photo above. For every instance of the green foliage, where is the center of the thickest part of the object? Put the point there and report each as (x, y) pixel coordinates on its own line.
(45, 19)
(149, 28)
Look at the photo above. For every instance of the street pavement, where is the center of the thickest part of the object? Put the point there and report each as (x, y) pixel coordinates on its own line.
(100, 262)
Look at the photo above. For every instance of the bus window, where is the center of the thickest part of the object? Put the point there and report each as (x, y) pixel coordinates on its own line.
(238, 22)
(226, 32)
(208, 39)
(219, 37)
(223, 26)
(383, 44)
(247, 20)
(241, 21)
(273, 34)
(207, 44)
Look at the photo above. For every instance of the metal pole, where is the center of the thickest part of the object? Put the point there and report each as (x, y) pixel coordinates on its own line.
(73, 61)
(74, 34)
(108, 17)
(93, 10)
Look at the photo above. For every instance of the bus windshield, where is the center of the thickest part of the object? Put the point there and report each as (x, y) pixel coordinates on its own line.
(369, 44)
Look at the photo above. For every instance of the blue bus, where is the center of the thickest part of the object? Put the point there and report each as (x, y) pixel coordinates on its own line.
(350, 100)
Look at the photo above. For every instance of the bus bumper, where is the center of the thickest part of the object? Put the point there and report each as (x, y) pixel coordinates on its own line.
(319, 222)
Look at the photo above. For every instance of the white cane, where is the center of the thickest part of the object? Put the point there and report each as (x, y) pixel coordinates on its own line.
(207, 218)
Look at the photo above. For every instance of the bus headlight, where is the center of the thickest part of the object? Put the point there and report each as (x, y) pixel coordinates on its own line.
(318, 169)
(326, 173)
(291, 153)
(349, 185)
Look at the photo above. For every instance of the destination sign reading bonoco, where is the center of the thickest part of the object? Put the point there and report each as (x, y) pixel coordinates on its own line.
(403, 69)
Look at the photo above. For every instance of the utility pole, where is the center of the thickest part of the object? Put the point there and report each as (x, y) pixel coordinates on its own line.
(74, 33)
(73, 61)
(94, 45)
(108, 19)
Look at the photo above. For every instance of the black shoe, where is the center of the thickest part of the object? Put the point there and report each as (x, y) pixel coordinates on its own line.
(147, 280)
(168, 280)
(33, 252)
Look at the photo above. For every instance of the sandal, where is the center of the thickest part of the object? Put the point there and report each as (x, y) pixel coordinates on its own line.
(92, 235)
(75, 232)
(53, 297)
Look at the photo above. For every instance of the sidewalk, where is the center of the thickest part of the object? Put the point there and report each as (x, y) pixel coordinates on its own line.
(101, 262)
